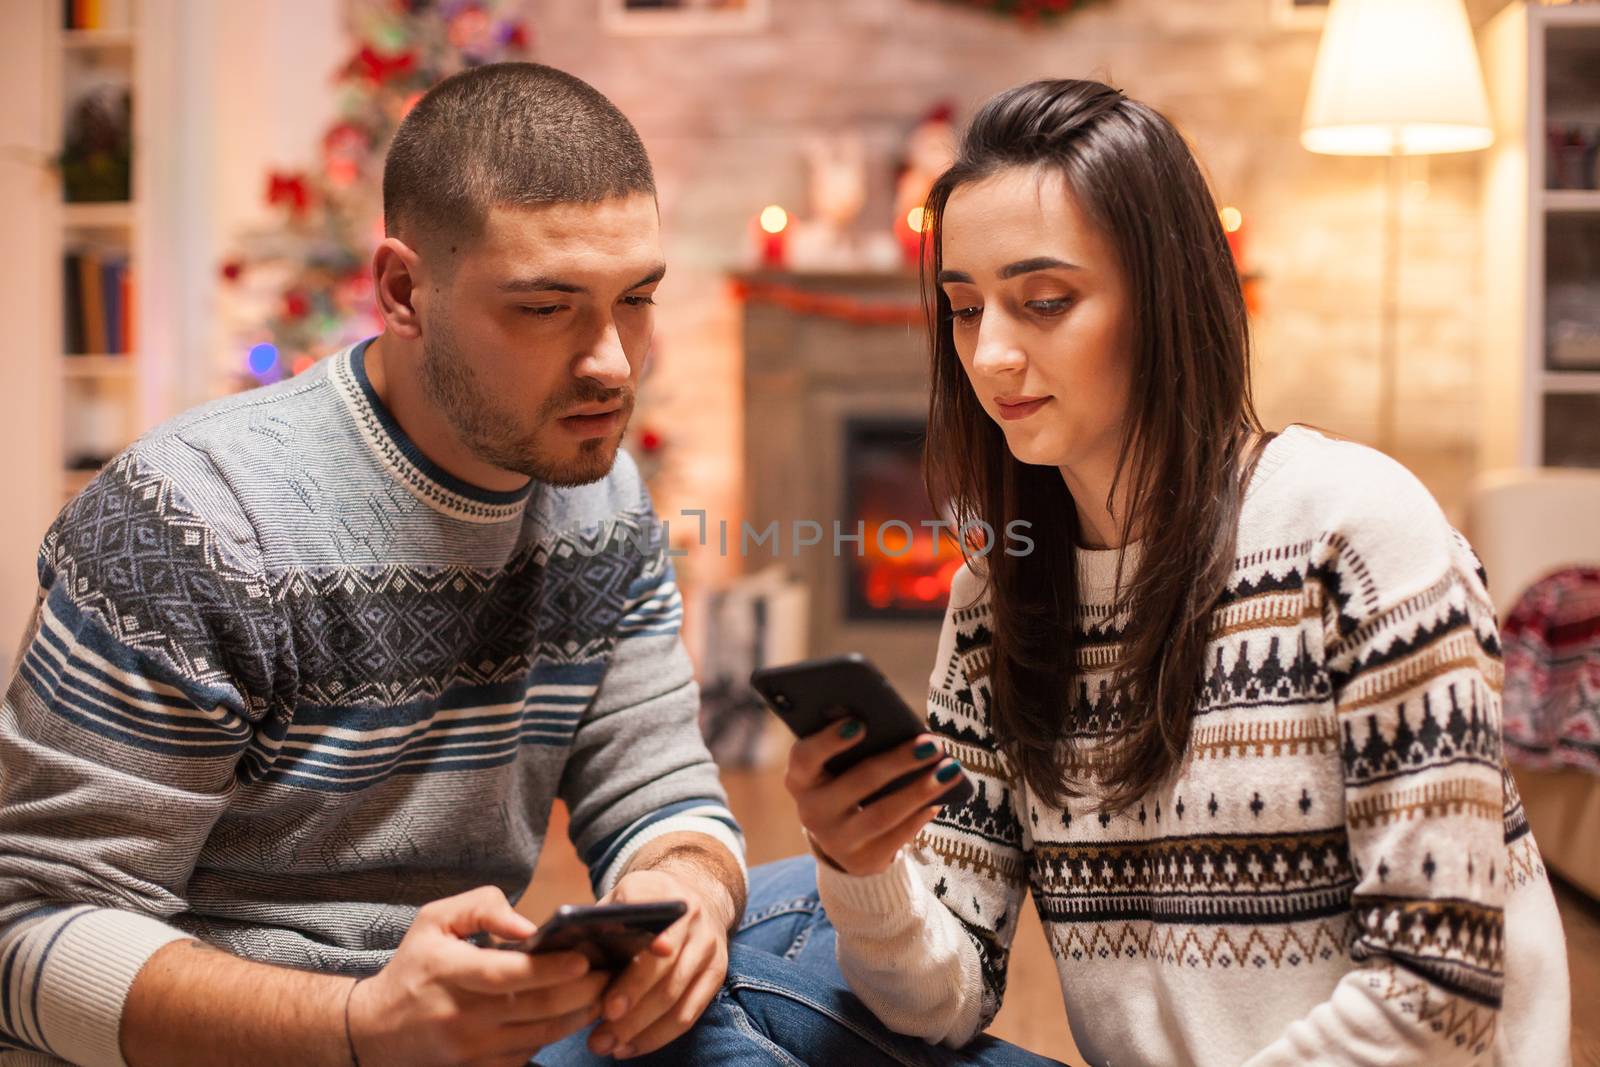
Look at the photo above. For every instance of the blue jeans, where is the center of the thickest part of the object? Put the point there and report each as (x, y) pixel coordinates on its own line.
(785, 1002)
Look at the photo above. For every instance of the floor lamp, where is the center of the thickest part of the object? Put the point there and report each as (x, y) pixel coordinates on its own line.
(1395, 78)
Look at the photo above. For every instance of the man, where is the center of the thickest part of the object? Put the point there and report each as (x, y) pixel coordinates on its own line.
(310, 664)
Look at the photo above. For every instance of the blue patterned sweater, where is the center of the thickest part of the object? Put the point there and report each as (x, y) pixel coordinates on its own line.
(288, 680)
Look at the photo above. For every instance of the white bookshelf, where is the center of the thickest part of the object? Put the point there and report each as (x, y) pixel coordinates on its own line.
(166, 50)
(1571, 381)
(97, 389)
(106, 215)
(107, 399)
(1542, 66)
(90, 40)
(90, 367)
(1578, 200)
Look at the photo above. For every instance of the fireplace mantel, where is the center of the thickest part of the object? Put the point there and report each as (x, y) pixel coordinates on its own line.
(811, 365)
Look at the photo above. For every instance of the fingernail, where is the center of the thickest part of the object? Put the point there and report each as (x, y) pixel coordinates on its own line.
(850, 728)
(948, 771)
(624, 1051)
(617, 1008)
(601, 1043)
(925, 750)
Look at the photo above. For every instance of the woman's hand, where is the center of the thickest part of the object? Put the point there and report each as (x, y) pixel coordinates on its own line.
(864, 840)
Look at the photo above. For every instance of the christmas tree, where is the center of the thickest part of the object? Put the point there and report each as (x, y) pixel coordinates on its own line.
(301, 288)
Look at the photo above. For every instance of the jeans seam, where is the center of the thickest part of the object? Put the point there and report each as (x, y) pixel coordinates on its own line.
(799, 941)
(785, 907)
(777, 1052)
(864, 1034)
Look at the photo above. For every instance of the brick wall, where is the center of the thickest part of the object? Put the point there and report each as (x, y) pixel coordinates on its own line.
(726, 118)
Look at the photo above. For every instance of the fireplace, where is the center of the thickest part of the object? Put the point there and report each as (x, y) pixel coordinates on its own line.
(834, 414)
(903, 569)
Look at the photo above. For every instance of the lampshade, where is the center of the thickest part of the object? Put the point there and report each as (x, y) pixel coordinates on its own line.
(1396, 76)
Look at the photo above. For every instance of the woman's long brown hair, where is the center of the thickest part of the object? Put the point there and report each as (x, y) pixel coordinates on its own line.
(1183, 458)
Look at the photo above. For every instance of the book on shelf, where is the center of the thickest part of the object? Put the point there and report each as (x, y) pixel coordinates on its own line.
(97, 299)
(96, 14)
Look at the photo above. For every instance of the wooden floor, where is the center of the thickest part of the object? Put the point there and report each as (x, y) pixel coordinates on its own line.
(1032, 1016)
(1580, 914)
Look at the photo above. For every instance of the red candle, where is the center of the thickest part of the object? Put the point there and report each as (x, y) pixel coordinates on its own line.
(1233, 227)
(772, 227)
(908, 228)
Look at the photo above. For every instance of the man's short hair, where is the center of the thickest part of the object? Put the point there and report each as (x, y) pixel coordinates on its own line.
(506, 134)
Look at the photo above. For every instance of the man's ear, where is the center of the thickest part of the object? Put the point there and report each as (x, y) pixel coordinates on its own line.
(395, 279)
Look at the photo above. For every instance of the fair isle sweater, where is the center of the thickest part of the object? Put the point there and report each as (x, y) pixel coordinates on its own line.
(288, 680)
(1340, 871)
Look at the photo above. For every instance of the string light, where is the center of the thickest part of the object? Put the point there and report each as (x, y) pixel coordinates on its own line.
(915, 218)
(1232, 219)
(263, 358)
(302, 364)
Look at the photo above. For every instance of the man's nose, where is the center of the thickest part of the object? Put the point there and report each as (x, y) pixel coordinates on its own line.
(606, 361)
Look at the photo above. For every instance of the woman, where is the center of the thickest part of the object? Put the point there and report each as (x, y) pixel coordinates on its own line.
(1234, 720)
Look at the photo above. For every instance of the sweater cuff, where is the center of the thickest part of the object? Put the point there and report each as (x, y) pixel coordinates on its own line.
(699, 821)
(888, 892)
(80, 964)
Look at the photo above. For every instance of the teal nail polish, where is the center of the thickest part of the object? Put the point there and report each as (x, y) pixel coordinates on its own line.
(850, 728)
(925, 750)
(948, 771)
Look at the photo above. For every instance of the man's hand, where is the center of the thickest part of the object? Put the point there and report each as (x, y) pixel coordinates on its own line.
(441, 1000)
(666, 987)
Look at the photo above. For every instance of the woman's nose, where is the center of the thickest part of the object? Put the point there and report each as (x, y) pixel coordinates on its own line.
(997, 352)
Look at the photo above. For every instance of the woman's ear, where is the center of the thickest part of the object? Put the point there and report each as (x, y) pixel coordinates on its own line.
(394, 277)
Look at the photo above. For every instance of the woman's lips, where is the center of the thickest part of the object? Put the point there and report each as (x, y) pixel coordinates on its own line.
(1013, 408)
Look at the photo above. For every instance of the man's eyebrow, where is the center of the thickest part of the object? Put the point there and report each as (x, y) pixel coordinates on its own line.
(544, 283)
(1028, 266)
(540, 284)
(649, 279)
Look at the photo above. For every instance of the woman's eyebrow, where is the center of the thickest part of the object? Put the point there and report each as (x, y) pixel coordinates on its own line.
(1011, 270)
(1028, 266)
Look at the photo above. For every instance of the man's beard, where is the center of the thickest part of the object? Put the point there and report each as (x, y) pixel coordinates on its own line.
(493, 435)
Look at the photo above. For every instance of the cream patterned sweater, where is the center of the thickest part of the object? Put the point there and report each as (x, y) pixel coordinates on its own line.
(1340, 873)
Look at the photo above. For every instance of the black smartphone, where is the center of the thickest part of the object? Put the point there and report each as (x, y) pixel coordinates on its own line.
(813, 694)
(608, 935)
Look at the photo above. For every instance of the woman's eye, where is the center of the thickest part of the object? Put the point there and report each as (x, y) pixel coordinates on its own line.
(639, 301)
(966, 314)
(1050, 307)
